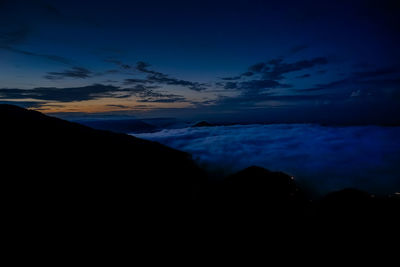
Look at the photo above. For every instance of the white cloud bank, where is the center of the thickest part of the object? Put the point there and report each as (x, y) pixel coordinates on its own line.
(321, 158)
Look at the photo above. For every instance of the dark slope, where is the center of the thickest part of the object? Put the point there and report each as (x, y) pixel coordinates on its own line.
(202, 124)
(121, 126)
(69, 181)
(52, 168)
(258, 187)
(255, 197)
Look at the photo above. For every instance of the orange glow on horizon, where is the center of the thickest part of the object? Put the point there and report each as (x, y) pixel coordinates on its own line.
(103, 106)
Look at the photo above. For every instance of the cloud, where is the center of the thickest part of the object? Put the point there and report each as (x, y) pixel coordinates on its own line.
(276, 68)
(259, 67)
(10, 37)
(160, 98)
(119, 63)
(24, 104)
(377, 88)
(262, 84)
(267, 75)
(117, 106)
(91, 92)
(53, 58)
(252, 99)
(303, 76)
(380, 82)
(143, 67)
(279, 68)
(155, 77)
(261, 80)
(75, 72)
(368, 96)
(146, 94)
(231, 78)
(139, 88)
(161, 78)
(21, 19)
(230, 85)
(136, 81)
(328, 158)
(377, 72)
(256, 68)
(61, 94)
(355, 93)
(17, 27)
(164, 79)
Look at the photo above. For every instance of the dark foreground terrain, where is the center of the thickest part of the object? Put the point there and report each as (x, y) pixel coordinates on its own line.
(64, 179)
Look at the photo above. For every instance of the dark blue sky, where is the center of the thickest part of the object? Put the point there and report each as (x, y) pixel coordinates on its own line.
(236, 61)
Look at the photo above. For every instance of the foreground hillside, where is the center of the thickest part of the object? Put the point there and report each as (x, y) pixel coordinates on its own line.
(53, 168)
(72, 175)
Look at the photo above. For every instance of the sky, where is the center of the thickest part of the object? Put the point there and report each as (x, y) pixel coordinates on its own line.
(228, 61)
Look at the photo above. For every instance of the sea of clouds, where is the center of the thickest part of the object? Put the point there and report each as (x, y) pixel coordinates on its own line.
(321, 158)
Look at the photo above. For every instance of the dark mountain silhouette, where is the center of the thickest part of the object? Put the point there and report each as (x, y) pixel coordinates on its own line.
(256, 186)
(202, 124)
(355, 206)
(121, 126)
(61, 175)
(255, 196)
(66, 172)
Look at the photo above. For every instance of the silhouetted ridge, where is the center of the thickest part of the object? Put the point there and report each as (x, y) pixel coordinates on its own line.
(62, 175)
(53, 168)
(350, 204)
(203, 124)
(262, 183)
(121, 126)
(259, 191)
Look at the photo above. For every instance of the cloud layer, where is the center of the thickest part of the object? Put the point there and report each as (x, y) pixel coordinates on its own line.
(91, 92)
(321, 158)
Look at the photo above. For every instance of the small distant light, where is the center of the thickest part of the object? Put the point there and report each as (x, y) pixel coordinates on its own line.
(397, 193)
(292, 177)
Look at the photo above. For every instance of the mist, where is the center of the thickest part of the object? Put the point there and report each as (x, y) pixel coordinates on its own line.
(322, 159)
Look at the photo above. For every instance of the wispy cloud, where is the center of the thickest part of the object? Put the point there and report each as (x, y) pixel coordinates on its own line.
(54, 58)
(154, 77)
(75, 72)
(61, 94)
(275, 69)
(9, 39)
(21, 19)
(91, 92)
